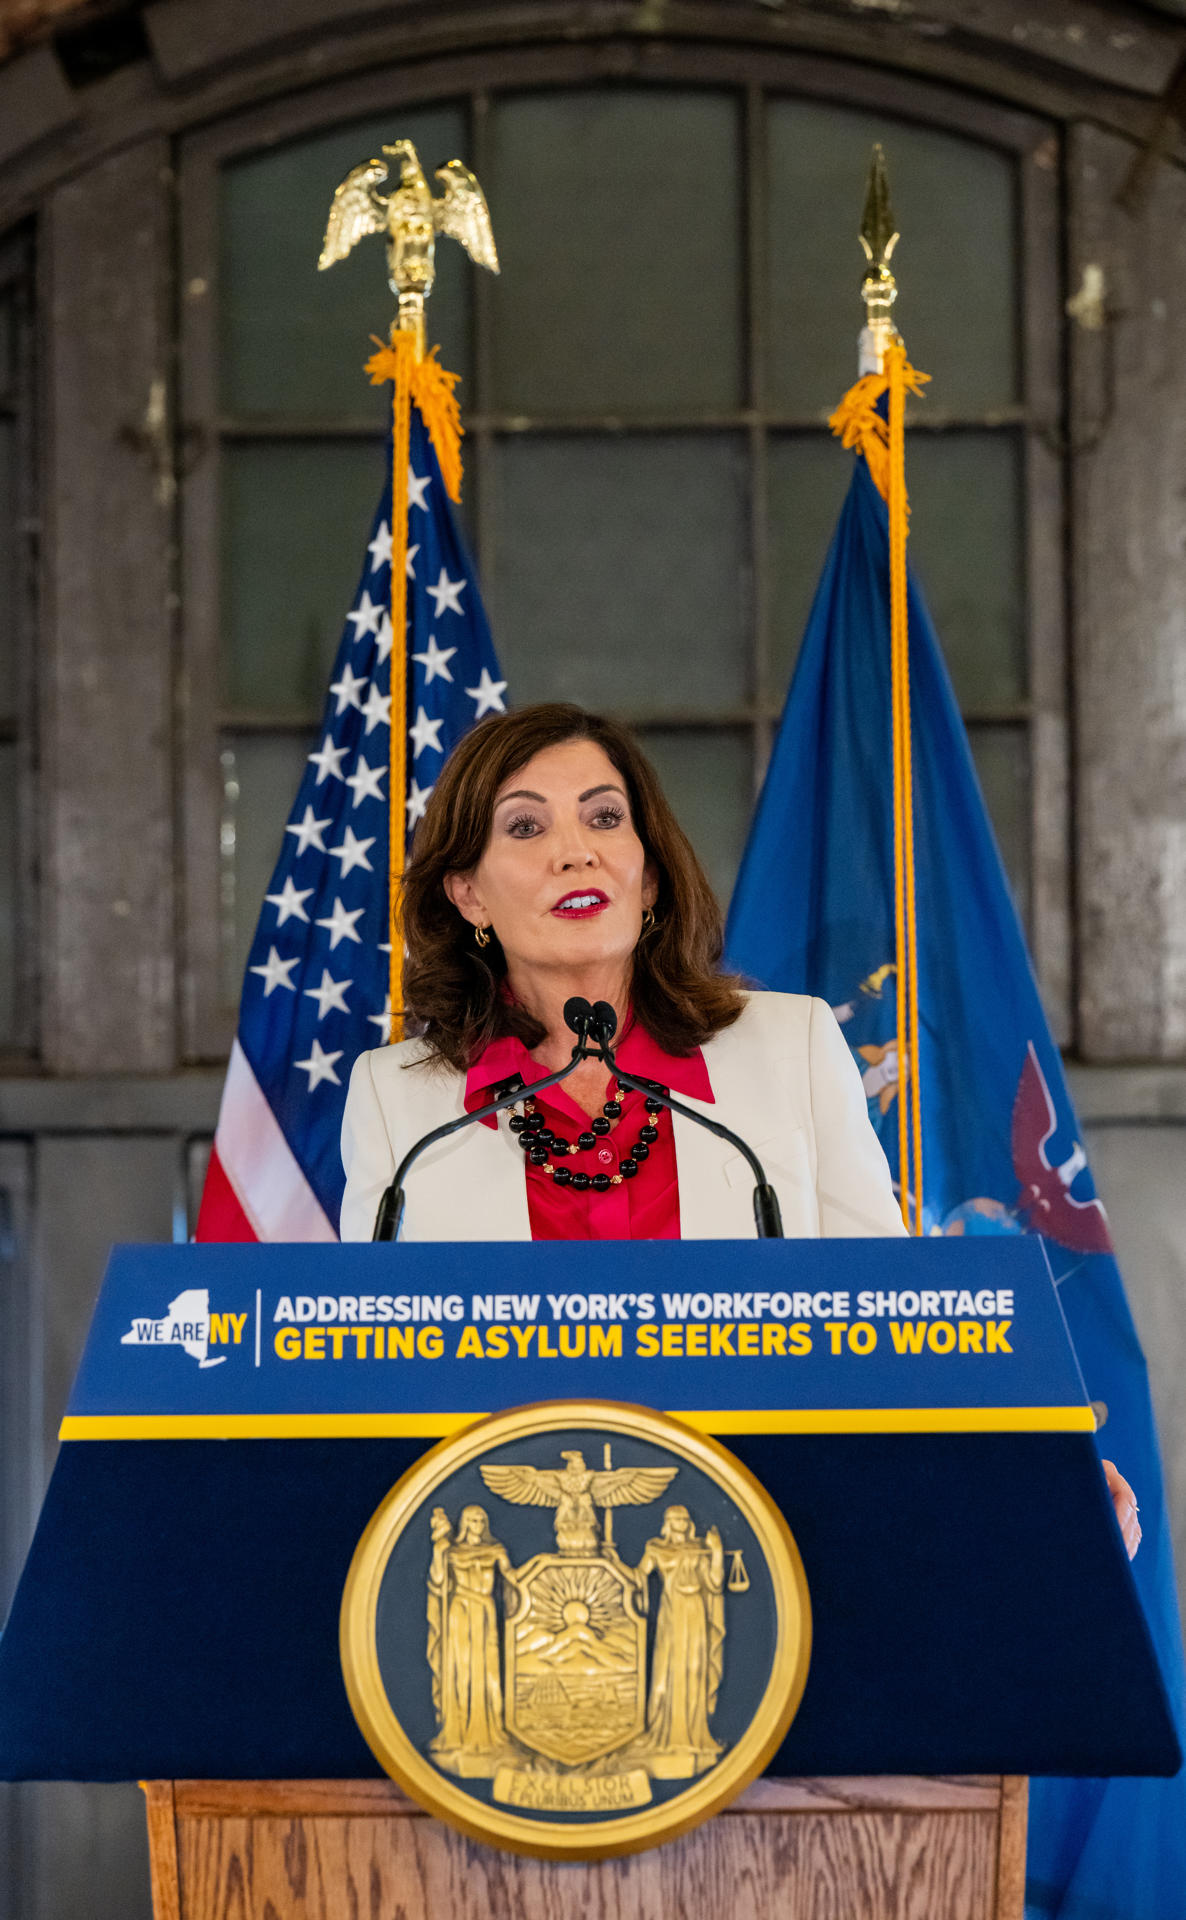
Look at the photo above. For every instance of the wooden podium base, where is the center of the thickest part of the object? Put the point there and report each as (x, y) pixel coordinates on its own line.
(877, 1849)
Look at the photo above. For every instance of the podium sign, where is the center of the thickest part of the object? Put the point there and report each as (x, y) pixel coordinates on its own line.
(779, 1337)
(913, 1408)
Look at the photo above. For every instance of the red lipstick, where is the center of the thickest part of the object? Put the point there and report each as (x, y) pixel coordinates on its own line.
(581, 903)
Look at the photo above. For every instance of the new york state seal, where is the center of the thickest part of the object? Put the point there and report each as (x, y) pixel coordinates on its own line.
(576, 1629)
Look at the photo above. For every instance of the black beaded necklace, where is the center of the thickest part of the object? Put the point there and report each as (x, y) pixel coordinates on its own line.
(540, 1142)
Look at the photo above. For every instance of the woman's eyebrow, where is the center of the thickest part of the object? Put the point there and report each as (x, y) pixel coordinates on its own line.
(609, 787)
(521, 793)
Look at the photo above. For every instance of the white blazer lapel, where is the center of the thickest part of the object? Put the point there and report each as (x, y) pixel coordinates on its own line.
(469, 1188)
(710, 1208)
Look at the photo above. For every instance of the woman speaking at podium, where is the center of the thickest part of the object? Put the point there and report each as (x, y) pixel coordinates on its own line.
(549, 864)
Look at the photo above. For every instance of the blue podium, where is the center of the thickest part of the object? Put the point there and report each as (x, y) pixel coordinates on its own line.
(914, 1407)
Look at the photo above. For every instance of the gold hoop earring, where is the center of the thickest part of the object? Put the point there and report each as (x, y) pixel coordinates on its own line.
(482, 936)
(648, 919)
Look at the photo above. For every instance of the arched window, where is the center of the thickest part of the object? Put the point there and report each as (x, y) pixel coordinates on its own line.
(650, 482)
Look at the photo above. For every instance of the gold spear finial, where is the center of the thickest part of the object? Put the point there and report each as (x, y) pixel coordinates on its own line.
(878, 237)
(411, 217)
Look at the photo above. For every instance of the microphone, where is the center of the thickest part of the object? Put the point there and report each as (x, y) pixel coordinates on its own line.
(603, 1021)
(578, 1016)
(767, 1215)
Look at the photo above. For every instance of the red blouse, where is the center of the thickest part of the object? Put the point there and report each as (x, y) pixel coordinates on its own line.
(644, 1208)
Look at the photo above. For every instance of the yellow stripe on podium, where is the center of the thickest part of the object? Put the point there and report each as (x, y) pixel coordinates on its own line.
(264, 1426)
(896, 1420)
(427, 1426)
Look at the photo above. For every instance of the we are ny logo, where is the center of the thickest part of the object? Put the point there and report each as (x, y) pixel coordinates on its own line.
(190, 1325)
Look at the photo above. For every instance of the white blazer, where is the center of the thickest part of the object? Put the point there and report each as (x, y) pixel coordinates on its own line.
(782, 1076)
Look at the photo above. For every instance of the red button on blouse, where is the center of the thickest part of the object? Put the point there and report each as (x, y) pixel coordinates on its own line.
(644, 1208)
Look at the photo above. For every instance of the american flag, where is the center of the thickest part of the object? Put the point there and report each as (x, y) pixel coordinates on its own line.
(316, 989)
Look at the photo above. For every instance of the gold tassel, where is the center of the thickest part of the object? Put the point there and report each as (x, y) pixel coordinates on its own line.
(882, 441)
(434, 392)
(857, 423)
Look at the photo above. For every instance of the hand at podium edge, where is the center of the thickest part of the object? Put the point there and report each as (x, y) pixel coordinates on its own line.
(1125, 1502)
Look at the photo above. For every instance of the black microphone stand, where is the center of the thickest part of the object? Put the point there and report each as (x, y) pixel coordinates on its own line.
(767, 1214)
(578, 1014)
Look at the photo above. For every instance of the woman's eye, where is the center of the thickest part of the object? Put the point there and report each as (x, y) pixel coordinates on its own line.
(608, 817)
(523, 827)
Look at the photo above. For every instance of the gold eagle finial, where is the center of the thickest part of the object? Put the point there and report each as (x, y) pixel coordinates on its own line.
(411, 216)
(574, 1491)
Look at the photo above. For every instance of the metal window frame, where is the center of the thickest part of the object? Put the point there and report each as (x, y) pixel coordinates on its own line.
(475, 80)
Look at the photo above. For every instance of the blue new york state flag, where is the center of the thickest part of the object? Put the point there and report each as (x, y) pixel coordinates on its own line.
(813, 913)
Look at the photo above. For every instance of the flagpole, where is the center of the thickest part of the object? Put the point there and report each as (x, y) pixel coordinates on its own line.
(410, 217)
(407, 344)
(883, 366)
(904, 768)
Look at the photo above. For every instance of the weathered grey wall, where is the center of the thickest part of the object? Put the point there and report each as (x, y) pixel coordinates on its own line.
(86, 1854)
(1128, 477)
(107, 674)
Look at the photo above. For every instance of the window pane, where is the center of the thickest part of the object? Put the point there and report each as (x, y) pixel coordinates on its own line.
(1002, 762)
(260, 777)
(295, 524)
(616, 575)
(294, 340)
(808, 478)
(953, 201)
(8, 888)
(708, 778)
(965, 547)
(617, 214)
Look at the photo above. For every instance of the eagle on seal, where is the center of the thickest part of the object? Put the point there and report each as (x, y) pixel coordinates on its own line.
(575, 1490)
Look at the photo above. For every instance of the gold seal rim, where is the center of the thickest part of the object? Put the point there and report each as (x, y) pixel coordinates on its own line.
(632, 1832)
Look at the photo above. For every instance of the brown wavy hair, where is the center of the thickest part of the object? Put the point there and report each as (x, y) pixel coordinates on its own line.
(452, 988)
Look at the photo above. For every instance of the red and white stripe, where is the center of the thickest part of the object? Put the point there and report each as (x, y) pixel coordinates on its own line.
(255, 1189)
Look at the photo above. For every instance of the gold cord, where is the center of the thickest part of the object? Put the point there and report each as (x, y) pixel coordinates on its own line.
(858, 424)
(425, 383)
